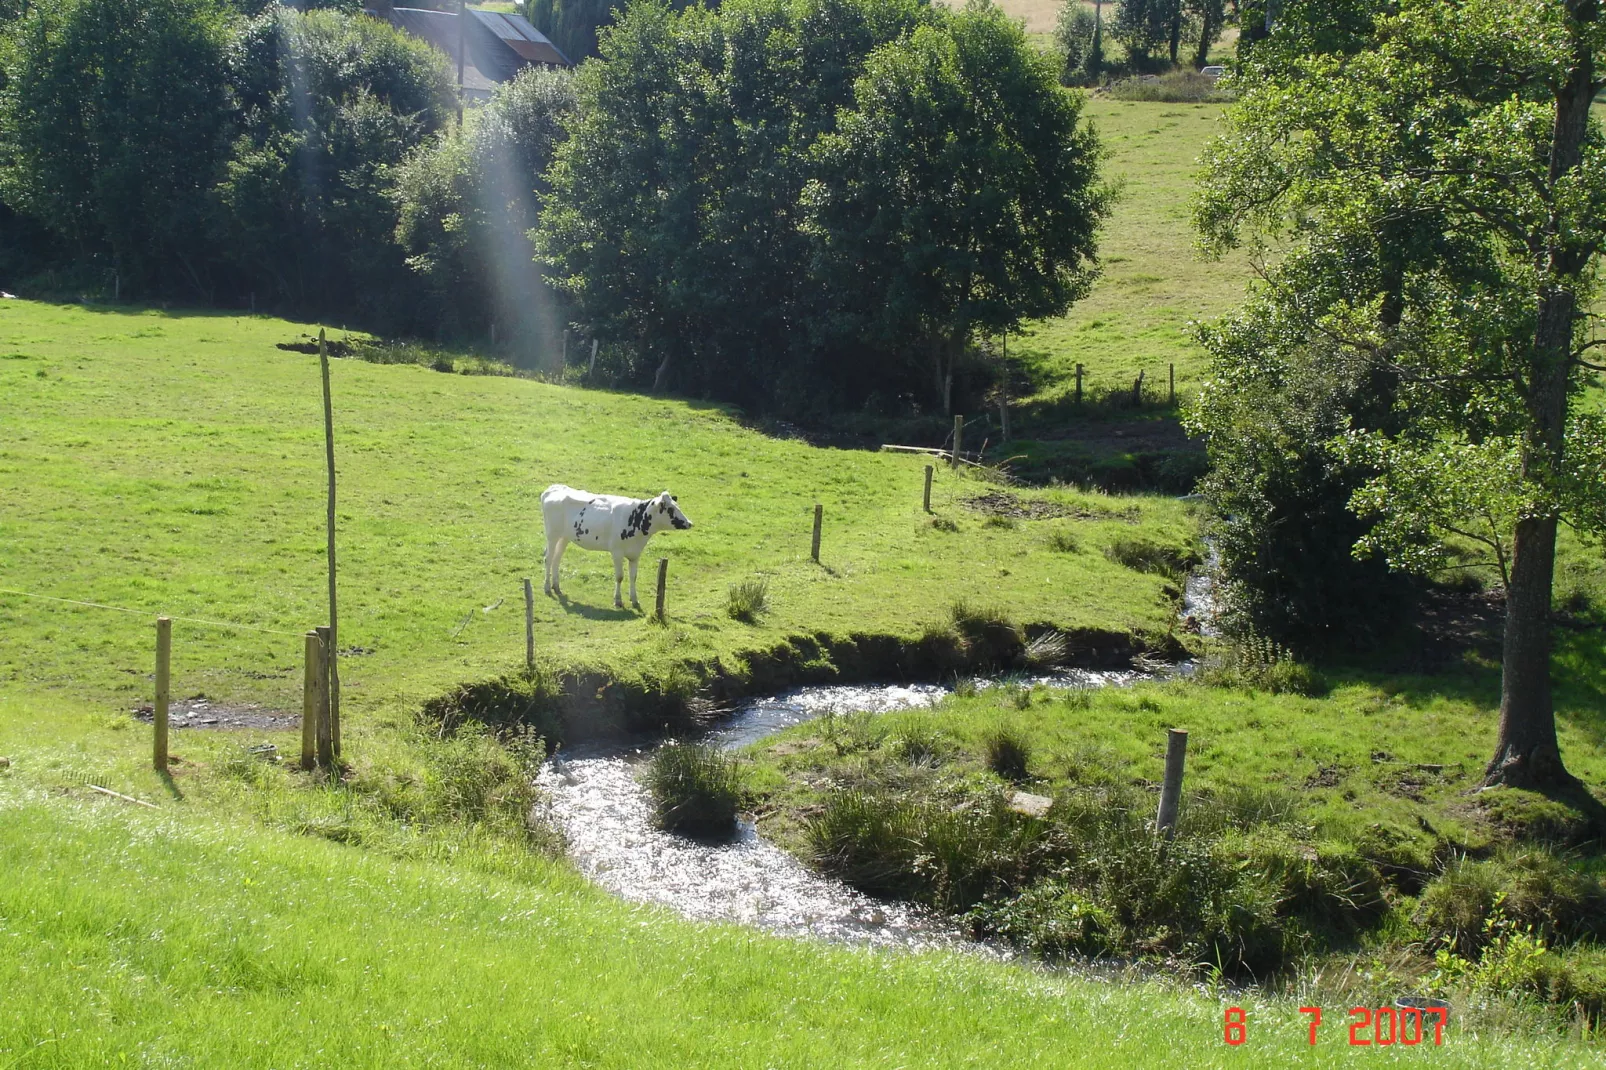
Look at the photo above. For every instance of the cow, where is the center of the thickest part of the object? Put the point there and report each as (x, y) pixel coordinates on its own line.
(621, 526)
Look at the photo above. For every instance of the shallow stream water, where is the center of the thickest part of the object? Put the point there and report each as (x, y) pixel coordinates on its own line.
(606, 815)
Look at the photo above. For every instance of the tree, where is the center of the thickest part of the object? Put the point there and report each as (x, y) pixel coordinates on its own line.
(959, 195)
(1075, 32)
(1211, 16)
(329, 106)
(114, 124)
(1458, 148)
(1144, 26)
(467, 200)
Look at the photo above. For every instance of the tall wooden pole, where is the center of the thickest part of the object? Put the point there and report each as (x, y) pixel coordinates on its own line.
(959, 434)
(819, 514)
(164, 655)
(326, 739)
(928, 488)
(1078, 384)
(331, 649)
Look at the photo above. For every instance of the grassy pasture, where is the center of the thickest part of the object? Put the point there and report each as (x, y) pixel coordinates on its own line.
(173, 463)
(1137, 317)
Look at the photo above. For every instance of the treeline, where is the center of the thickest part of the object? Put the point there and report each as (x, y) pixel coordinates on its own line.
(801, 205)
(1100, 40)
(309, 163)
(790, 204)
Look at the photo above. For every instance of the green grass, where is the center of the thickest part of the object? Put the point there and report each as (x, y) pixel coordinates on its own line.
(173, 463)
(1320, 749)
(134, 937)
(1137, 317)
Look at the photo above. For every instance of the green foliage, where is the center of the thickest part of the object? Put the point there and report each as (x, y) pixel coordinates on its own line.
(1145, 27)
(330, 104)
(467, 200)
(1078, 35)
(510, 705)
(1252, 660)
(892, 281)
(114, 125)
(694, 789)
(748, 600)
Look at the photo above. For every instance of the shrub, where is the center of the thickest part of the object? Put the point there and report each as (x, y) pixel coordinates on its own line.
(1255, 661)
(1064, 542)
(995, 521)
(942, 523)
(1007, 752)
(694, 789)
(747, 600)
(1175, 87)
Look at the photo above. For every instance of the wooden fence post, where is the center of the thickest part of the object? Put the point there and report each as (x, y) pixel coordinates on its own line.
(311, 684)
(592, 367)
(164, 657)
(1078, 384)
(819, 513)
(1173, 390)
(1003, 419)
(959, 434)
(663, 582)
(929, 471)
(1137, 390)
(331, 646)
(529, 625)
(326, 738)
(1176, 752)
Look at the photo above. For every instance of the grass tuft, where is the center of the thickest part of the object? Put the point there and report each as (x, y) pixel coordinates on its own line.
(1007, 752)
(746, 601)
(694, 788)
(1064, 542)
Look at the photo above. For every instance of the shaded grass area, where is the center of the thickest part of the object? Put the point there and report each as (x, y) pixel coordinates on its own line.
(173, 463)
(1318, 832)
(188, 935)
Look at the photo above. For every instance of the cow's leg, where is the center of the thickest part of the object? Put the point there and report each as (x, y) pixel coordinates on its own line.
(634, 561)
(556, 564)
(618, 580)
(546, 570)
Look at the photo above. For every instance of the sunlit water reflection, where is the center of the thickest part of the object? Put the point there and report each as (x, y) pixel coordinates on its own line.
(606, 815)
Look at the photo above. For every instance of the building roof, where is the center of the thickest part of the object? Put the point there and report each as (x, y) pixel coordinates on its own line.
(497, 45)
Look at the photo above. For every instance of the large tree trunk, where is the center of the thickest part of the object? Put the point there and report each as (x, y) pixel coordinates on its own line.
(1176, 32)
(1526, 754)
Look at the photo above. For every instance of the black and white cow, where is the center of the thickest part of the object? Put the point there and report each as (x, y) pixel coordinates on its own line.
(620, 526)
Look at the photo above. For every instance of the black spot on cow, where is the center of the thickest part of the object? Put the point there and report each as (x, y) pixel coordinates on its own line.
(639, 522)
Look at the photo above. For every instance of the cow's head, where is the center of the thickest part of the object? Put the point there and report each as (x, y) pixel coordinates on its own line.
(664, 508)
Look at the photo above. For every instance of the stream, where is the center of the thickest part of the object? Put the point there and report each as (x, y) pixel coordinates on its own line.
(606, 815)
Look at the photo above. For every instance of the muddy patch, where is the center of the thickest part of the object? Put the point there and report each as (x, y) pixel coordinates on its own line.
(1002, 503)
(204, 713)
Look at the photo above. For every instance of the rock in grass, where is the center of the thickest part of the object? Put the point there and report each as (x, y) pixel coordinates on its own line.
(1024, 802)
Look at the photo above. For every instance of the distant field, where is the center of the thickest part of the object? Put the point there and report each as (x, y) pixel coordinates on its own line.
(173, 463)
(1153, 285)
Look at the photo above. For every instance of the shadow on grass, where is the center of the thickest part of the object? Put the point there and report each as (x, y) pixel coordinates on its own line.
(171, 785)
(590, 612)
